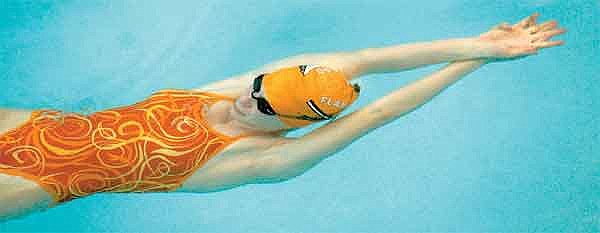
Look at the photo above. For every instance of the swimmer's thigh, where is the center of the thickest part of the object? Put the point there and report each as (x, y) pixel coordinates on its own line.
(11, 118)
(20, 197)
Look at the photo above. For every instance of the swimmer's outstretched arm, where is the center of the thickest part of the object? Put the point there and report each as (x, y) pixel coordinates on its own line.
(490, 45)
(409, 56)
(288, 160)
(294, 158)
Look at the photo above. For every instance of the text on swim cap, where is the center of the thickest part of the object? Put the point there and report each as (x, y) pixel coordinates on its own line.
(337, 103)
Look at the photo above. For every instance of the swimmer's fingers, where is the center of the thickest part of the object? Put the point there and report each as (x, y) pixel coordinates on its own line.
(548, 44)
(504, 27)
(544, 36)
(529, 21)
(546, 26)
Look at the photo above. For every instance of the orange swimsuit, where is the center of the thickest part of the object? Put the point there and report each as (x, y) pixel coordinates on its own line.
(153, 145)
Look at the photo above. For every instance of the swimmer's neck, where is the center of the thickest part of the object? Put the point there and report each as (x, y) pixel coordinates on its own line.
(219, 117)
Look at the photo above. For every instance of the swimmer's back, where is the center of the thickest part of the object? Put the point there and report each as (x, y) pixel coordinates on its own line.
(10, 118)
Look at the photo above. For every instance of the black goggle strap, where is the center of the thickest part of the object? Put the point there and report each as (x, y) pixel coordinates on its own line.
(264, 107)
(311, 104)
(258, 82)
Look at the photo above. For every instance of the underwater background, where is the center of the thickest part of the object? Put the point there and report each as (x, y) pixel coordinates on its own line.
(513, 146)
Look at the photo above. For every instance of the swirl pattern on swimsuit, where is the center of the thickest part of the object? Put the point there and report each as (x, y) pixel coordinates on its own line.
(153, 145)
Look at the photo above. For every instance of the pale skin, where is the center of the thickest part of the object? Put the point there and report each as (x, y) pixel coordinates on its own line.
(268, 156)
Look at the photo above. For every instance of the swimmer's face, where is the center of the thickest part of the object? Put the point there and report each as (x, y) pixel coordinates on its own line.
(245, 110)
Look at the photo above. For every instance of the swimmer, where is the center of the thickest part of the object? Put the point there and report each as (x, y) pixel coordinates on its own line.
(232, 132)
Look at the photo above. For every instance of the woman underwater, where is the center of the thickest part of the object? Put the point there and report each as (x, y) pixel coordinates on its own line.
(231, 133)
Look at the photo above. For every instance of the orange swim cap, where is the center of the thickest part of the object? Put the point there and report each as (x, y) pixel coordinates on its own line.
(313, 91)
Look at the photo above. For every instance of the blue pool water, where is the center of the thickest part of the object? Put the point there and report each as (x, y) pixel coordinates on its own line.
(512, 147)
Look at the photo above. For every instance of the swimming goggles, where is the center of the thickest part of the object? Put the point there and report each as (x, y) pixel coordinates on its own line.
(265, 107)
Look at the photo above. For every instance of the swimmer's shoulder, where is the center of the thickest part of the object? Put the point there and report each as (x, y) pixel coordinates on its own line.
(11, 118)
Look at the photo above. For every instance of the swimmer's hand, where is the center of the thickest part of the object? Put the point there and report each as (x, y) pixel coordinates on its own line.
(521, 39)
